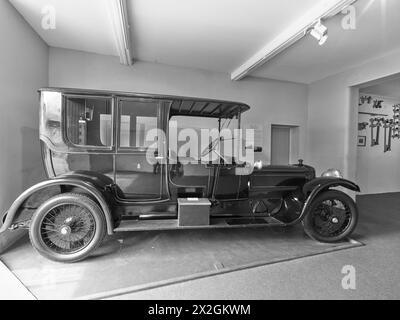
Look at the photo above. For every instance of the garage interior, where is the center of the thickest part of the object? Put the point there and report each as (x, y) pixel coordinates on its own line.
(322, 103)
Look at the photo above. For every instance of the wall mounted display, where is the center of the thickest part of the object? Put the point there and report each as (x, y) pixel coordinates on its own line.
(362, 126)
(377, 104)
(362, 141)
(396, 122)
(390, 126)
(365, 99)
(375, 125)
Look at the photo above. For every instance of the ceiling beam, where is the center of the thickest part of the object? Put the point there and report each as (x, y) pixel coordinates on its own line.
(323, 10)
(121, 29)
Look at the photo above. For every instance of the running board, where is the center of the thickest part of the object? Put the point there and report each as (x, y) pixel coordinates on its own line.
(216, 223)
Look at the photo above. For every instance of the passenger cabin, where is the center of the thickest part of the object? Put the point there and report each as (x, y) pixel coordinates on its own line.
(106, 133)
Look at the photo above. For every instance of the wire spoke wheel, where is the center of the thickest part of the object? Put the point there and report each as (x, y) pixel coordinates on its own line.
(67, 227)
(332, 217)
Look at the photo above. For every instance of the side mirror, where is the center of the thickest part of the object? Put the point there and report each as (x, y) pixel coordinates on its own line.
(258, 149)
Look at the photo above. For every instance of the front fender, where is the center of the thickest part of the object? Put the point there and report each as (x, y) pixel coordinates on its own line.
(80, 180)
(313, 188)
(326, 183)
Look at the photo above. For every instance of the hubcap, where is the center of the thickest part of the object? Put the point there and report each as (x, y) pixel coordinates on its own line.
(65, 230)
(335, 220)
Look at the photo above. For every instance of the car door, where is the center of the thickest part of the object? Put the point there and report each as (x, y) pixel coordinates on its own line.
(139, 171)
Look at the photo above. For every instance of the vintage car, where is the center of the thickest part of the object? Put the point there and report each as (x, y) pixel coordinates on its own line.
(101, 180)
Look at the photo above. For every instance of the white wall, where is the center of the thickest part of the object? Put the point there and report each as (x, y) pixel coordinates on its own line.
(23, 70)
(333, 115)
(388, 88)
(378, 172)
(272, 102)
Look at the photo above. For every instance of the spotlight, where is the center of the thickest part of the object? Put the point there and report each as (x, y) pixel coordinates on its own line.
(320, 32)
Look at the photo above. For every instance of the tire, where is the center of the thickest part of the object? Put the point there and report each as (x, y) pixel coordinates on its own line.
(67, 228)
(332, 217)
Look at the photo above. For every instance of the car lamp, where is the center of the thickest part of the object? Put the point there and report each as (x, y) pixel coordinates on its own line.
(332, 173)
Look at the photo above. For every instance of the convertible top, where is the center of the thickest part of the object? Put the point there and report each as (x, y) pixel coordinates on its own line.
(181, 106)
(206, 108)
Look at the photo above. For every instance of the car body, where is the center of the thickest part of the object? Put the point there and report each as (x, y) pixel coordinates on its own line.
(94, 151)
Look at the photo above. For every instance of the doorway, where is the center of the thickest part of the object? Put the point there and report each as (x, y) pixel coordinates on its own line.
(378, 147)
(284, 144)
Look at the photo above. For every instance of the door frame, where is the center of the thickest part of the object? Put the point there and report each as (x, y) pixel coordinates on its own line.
(164, 191)
(294, 140)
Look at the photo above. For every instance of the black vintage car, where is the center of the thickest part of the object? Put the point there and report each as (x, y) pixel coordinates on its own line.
(105, 177)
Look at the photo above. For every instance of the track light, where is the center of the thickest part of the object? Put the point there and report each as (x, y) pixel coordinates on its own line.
(320, 32)
(323, 10)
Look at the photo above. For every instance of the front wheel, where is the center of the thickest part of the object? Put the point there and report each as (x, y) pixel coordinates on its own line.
(67, 228)
(332, 217)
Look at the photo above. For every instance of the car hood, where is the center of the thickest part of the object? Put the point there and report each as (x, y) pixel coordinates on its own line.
(290, 169)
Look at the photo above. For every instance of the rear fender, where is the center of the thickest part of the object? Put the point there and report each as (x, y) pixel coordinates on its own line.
(95, 186)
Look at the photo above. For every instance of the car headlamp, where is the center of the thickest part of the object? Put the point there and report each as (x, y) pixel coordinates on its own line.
(258, 165)
(332, 173)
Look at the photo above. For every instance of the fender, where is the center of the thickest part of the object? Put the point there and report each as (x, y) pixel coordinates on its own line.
(318, 185)
(326, 183)
(94, 184)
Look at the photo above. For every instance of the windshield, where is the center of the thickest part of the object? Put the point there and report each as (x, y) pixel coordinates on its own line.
(199, 139)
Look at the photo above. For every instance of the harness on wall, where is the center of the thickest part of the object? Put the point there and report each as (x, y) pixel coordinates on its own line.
(396, 122)
(391, 126)
(377, 104)
(388, 126)
(364, 99)
(362, 126)
(375, 123)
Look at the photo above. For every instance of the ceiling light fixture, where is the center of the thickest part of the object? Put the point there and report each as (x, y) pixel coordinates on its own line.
(319, 32)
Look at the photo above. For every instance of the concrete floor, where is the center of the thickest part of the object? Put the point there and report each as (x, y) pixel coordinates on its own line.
(318, 277)
(11, 288)
(129, 262)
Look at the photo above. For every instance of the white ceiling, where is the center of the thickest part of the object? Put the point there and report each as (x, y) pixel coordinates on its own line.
(216, 35)
(220, 35)
(378, 23)
(82, 25)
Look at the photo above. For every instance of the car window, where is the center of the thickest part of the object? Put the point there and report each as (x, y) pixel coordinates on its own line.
(89, 121)
(137, 119)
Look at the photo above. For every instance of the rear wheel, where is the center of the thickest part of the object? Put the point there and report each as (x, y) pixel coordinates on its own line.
(332, 217)
(67, 228)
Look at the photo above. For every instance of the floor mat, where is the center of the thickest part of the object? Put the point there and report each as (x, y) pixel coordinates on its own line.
(129, 262)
